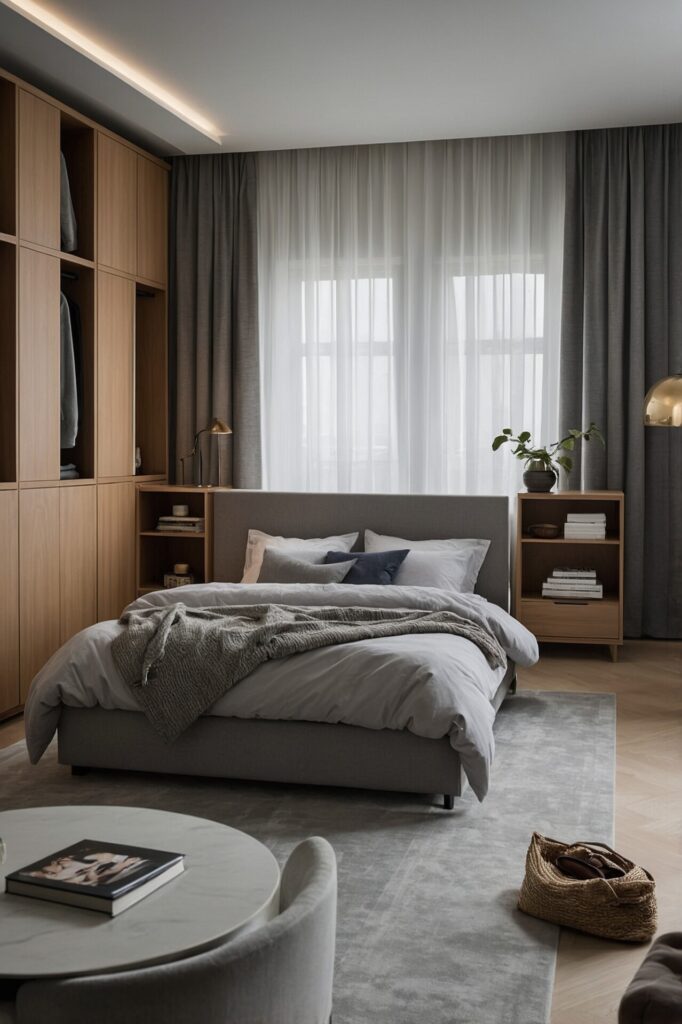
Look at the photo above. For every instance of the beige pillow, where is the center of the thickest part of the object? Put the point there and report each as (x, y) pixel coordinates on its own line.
(258, 541)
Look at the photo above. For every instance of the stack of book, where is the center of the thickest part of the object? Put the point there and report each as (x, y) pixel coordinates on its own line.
(585, 526)
(181, 524)
(574, 584)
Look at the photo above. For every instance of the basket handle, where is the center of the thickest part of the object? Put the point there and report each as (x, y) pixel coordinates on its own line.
(614, 853)
(618, 856)
(580, 842)
(601, 846)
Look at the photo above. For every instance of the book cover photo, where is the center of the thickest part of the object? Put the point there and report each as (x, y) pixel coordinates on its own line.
(96, 875)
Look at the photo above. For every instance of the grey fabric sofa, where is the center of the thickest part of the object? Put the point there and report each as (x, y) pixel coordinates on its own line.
(654, 996)
(281, 973)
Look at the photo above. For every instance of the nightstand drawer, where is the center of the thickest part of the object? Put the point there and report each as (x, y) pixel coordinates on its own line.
(569, 620)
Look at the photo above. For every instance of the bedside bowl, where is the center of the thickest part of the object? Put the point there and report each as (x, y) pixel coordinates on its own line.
(546, 531)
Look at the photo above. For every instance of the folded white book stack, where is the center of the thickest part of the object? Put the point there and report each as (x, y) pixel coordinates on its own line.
(585, 526)
(181, 524)
(573, 584)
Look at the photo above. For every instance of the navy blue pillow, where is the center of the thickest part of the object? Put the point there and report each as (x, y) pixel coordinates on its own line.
(370, 566)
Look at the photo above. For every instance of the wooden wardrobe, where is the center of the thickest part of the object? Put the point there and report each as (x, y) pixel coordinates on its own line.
(69, 552)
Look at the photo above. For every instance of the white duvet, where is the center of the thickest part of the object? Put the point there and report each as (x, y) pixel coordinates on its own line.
(435, 685)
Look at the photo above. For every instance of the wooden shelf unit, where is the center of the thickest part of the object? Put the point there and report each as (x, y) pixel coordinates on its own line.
(72, 543)
(595, 621)
(158, 551)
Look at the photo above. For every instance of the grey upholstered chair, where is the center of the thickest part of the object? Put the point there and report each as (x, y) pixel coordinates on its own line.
(279, 974)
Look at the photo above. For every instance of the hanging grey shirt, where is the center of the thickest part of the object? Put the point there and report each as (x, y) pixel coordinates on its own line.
(69, 389)
(69, 231)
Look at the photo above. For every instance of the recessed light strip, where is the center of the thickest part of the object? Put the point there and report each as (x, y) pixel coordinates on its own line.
(76, 39)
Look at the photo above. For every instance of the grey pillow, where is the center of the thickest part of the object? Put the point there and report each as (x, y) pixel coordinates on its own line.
(447, 570)
(465, 557)
(280, 567)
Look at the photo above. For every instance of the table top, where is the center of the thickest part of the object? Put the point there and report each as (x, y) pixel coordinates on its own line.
(230, 883)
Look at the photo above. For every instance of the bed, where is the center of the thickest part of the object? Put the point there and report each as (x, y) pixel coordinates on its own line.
(96, 732)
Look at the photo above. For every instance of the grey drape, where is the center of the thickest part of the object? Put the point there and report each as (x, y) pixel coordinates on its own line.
(214, 365)
(621, 331)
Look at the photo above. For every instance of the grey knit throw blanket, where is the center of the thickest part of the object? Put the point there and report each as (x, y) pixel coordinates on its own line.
(180, 660)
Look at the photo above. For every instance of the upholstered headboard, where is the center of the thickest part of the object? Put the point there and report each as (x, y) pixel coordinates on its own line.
(413, 516)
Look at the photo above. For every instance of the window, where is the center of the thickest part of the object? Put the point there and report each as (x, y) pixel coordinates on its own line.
(409, 308)
(347, 375)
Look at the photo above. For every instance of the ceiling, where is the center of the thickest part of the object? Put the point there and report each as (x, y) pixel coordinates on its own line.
(279, 74)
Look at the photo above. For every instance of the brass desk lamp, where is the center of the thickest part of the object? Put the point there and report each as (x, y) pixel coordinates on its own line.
(216, 428)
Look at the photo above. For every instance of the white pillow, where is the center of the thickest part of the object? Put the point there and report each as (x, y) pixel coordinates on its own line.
(258, 541)
(454, 563)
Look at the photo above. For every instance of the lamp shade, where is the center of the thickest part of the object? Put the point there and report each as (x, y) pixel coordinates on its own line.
(217, 426)
(663, 403)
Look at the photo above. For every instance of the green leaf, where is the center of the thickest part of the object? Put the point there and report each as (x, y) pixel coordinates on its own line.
(576, 433)
(507, 430)
(569, 444)
(524, 436)
(499, 440)
(565, 463)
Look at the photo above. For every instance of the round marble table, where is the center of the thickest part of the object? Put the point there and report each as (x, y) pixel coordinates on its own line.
(230, 883)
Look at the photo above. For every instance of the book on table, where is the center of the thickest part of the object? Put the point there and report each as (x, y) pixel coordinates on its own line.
(181, 524)
(586, 517)
(181, 519)
(578, 574)
(171, 528)
(573, 584)
(585, 526)
(94, 875)
(563, 593)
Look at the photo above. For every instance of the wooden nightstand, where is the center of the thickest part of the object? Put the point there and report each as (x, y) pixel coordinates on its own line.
(567, 620)
(157, 551)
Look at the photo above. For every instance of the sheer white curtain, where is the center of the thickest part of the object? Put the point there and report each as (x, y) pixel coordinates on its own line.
(409, 309)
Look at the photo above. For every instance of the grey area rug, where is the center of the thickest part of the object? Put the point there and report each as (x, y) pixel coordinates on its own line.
(428, 931)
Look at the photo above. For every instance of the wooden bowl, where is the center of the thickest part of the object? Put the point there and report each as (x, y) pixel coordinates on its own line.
(545, 531)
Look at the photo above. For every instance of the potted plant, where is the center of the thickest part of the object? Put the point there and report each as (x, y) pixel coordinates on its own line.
(543, 464)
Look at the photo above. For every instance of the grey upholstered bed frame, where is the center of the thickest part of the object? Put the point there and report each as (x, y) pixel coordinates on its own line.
(306, 752)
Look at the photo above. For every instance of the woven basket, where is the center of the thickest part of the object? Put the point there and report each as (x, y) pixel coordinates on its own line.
(621, 908)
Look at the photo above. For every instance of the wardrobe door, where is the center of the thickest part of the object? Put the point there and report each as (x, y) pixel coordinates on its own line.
(39, 171)
(9, 603)
(39, 366)
(78, 559)
(38, 580)
(152, 220)
(115, 375)
(116, 205)
(115, 548)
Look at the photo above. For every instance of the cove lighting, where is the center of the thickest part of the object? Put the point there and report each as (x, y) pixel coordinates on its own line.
(76, 39)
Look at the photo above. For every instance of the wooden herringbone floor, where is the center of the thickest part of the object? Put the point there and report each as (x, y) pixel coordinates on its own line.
(591, 973)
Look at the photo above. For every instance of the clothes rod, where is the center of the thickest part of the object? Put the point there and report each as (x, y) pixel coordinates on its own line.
(70, 275)
(145, 295)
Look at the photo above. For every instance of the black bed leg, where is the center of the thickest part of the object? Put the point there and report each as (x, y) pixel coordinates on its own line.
(512, 688)
(448, 801)
(78, 769)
